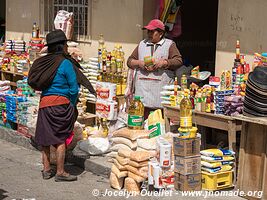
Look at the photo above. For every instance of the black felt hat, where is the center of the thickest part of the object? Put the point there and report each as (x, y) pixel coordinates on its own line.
(259, 78)
(55, 37)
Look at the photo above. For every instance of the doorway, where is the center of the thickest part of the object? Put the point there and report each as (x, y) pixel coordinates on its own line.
(2, 20)
(197, 43)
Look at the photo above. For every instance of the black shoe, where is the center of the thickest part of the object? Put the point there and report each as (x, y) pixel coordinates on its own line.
(48, 174)
(60, 178)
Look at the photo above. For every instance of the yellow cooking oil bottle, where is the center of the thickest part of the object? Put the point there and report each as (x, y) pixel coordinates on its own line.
(136, 114)
(104, 127)
(186, 129)
(186, 111)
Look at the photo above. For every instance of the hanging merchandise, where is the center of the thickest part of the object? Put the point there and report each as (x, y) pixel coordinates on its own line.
(64, 21)
(168, 12)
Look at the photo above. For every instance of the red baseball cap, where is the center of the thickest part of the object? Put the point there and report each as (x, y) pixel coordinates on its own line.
(155, 24)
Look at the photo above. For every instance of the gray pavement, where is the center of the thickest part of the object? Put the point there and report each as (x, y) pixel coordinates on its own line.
(20, 178)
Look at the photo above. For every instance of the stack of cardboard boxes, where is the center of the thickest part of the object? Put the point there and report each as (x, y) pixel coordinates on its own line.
(187, 164)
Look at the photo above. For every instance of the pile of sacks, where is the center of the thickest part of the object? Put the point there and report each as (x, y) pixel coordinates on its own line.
(130, 153)
(125, 138)
(233, 105)
(129, 170)
(217, 160)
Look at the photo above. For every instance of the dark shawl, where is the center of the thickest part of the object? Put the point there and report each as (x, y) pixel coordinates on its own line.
(44, 69)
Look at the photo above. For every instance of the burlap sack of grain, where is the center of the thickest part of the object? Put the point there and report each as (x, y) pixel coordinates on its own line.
(122, 160)
(121, 140)
(147, 144)
(118, 165)
(153, 153)
(138, 164)
(131, 134)
(112, 154)
(124, 153)
(115, 182)
(138, 179)
(140, 156)
(117, 172)
(116, 147)
(132, 186)
(138, 171)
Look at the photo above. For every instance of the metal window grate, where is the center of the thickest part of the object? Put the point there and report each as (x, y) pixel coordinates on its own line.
(79, 8)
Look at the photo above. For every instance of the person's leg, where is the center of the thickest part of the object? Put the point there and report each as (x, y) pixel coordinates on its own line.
(60, 152)
(61, 175)
(46, 158)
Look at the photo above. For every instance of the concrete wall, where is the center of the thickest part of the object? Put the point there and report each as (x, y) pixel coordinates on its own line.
(20, 15)
(118, 20)
(243, 20)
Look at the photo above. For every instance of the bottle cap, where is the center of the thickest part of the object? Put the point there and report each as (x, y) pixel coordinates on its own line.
(137, 98)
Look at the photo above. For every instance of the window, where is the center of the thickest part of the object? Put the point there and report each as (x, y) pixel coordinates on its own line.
(80, 9)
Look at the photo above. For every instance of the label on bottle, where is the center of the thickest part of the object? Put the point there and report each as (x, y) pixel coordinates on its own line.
(135, 120)
(208, 108)
(34, 34)
(123, 88)
(186, 122)
(183, 82)
(119, 88)
(198, 106)
(212, 106)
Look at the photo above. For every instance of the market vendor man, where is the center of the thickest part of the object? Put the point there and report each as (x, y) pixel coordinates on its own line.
(150, 77)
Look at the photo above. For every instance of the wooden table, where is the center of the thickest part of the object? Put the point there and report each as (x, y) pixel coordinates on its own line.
(221, 122)
(252, 169)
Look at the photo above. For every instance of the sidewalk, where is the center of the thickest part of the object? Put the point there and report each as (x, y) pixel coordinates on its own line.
(20, 178)
(95, 164)
(96, 181)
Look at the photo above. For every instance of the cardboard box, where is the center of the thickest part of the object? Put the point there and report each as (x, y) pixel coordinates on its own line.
(190, 182)
(187, 165)
(186, 146)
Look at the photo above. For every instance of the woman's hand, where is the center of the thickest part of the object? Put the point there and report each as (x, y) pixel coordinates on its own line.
(160, 64)
(150, 68)
(138, 64)
(141, 64)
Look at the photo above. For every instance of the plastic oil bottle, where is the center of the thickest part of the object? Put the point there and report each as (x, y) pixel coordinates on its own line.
(186, 112)
(183, 82)
(136, 114)
(104, 127)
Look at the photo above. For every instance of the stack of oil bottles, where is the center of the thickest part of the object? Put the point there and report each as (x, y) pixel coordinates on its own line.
(186, 147)
(111, 80)
(110, 66)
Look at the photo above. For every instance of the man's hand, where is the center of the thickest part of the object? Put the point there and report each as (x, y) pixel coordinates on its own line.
(160, 64)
